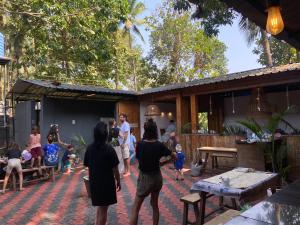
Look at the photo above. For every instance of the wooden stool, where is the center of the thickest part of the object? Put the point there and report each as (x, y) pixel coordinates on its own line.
(192, 199)
(223, 218)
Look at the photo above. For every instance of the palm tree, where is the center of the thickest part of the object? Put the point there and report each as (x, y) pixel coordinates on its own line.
(131, 24)
(252, 33)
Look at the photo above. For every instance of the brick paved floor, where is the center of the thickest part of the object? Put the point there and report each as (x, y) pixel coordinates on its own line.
(65, 202)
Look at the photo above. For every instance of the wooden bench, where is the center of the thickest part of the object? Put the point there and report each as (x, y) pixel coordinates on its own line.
(191, 199)
(224, 217)
(34, 169)
(215, 157)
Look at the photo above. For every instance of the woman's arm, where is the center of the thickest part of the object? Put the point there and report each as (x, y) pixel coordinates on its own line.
(117, 177)
(172, 158)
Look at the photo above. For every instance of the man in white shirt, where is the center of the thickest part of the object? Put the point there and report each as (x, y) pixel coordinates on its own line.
(124, 141)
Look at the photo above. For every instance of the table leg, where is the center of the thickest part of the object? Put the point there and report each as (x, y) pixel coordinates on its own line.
(200, 219)
(185, 213)
(234, 205)
(221, 202)
(205, 160)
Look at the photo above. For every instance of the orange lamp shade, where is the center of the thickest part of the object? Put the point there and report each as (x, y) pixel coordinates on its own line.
(274, 22)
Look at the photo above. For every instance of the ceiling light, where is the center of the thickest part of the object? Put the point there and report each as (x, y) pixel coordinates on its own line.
(275, 23)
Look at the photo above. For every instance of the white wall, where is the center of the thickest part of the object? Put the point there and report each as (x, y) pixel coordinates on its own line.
(278, 100)
(161, 121)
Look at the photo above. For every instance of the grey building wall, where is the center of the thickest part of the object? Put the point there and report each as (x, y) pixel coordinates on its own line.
(25, 116)
(74, 117)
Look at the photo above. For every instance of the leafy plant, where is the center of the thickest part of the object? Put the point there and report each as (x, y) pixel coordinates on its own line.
(79, 145)
(233, 130)
(279, 154)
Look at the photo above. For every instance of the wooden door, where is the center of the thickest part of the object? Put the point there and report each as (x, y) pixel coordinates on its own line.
(132, 110)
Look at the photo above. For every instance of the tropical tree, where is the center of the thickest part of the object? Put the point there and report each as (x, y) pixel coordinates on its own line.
(64, 40)
(282, 52)
(180, 47)
(131, 24)
(213, 13)
(254, 33)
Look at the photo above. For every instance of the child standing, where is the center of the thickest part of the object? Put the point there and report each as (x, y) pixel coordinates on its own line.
(180, 157)
(35, 147)
(132, 146)
(14, 162)
(65, 162)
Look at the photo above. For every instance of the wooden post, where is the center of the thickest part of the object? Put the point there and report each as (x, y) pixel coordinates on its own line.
(194, 113)
(179, 113)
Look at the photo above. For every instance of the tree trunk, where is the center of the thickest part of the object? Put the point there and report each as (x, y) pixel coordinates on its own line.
(266, 46)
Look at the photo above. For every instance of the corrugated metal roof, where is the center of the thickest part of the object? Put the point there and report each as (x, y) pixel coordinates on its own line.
(78, 88)
(224, 78)
(38, 87)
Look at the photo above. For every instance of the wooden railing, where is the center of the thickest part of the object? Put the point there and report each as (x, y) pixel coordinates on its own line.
(190, 142)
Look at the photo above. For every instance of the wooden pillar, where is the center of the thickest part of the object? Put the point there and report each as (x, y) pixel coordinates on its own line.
(194, 113)
(182, 112)
(178, 113)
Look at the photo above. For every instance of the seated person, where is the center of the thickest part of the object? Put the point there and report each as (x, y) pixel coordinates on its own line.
(50, 152)
(14, 162)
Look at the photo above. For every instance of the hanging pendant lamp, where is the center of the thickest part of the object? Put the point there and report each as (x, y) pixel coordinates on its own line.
(152, 110)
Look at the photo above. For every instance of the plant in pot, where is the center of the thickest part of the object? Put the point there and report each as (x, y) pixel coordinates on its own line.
(274, 150)
(80, 146)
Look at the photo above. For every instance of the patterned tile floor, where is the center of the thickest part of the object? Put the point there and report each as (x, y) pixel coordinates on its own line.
(65, 202)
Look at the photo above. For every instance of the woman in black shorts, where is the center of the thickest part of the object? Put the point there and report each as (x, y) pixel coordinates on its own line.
(150, 181)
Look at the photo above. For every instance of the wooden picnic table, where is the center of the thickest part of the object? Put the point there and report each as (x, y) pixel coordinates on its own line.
(213, 186)
(211, 150)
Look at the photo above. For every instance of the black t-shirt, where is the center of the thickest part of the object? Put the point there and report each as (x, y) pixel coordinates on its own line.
(13, 154)
(149, 154)
(113, 133)
(101, 159)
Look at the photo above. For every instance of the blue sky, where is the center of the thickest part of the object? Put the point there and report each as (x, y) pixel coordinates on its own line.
(239, 55)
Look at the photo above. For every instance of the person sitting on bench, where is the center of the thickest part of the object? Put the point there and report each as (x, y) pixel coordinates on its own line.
(14, 162)
(50, 152)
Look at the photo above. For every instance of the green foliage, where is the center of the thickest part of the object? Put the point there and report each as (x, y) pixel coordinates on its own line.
(181, 49)
(73, 41)
(80, 145)
(233, 130)
(213, 13)
(282, 52)
(278, 155)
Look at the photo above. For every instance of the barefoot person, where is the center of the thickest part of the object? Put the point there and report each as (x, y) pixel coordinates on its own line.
(104, 177)
(124, 141)
(14, 162)
(150, 181)
(35, 148)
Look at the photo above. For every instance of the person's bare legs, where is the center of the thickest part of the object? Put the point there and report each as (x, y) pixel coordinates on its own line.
(127, 167)
(101, 215)
(138, 201)
(32, 162)
(154, 204)
(39, 159)
(5, 182)
(21, 180)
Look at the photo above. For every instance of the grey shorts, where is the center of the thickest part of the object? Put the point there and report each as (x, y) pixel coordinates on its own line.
(14, 163)
(148, 183)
